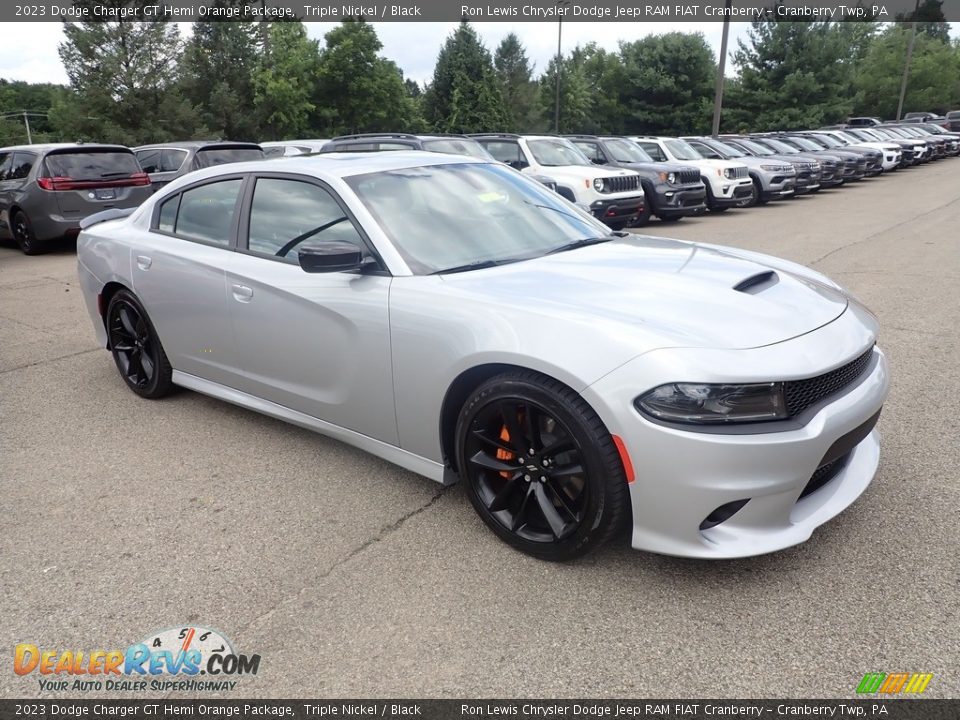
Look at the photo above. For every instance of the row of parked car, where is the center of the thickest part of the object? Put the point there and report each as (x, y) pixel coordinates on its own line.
(46, 190)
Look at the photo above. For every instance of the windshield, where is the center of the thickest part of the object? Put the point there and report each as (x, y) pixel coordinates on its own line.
(92, 164)
(728, 151)
(755, 147)
(447, 216)
(830, 141)
(682, 151)
(780, 147)
(208, 157)
(457, 146)
(805, 144)
(626, 151)
(556, 153)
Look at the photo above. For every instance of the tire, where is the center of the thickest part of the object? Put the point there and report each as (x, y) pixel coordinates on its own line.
(568, 497)
(718, 209)
(758, 198)
(670, 217)
(136, 349)
(711, 199)
(644, 216)
(23, 234)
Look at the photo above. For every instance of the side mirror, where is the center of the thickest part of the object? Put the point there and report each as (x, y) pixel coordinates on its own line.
(596, 161)
(332, 256)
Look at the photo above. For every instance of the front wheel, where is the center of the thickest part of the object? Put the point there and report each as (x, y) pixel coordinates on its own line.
(540, 468)
(136, 349)
(644, 217)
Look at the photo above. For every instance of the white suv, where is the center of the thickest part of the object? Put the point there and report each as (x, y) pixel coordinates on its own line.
(613, 195)
(728, 183)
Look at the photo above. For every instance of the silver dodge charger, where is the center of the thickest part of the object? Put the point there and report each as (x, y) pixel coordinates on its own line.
(462, 321)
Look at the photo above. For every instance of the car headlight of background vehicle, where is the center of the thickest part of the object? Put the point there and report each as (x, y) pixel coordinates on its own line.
(669, 177)
(728, 173)
(816, 165)
(598, 184)
(705, 404)
(773, 168)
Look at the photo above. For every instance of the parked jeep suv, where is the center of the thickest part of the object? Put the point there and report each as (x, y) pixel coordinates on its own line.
(728, 184)
(46, 190)
(167, 161)
(613, 195)
(673, 191)
(772, 179)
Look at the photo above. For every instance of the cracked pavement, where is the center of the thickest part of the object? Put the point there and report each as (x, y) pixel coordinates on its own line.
(353, 578)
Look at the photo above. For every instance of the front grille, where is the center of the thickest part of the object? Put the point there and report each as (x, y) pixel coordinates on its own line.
(740, 172)
(801, 394)
(688, 176)
(824, 474)
(621, 183)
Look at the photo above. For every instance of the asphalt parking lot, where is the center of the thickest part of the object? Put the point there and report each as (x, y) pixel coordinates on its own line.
(352, 578)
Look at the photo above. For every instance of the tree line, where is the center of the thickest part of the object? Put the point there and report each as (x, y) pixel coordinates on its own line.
(138, 82)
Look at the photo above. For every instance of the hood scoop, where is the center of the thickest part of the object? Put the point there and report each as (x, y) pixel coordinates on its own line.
(756, 284)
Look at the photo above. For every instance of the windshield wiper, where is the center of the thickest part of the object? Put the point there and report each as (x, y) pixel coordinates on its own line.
(475, 265)
(584, 242)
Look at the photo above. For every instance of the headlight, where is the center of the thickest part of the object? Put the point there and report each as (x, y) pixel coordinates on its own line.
(728, 173)
(714, 404)
(672, 178)
(772, 168)
(816, 165)
(598, 184)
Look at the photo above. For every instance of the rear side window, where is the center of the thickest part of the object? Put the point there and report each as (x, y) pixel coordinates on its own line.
(21, 165)
(507, 152)
(221, 156)
(592, 151)
(6, 159)
(206, 212)
(653, 150)
(92, 164)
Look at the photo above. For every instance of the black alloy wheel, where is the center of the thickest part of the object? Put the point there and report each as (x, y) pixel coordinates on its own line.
(541, 469)
(23, 234)
(137, 351)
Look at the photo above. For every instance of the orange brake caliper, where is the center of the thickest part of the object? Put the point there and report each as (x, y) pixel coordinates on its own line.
(504, 454)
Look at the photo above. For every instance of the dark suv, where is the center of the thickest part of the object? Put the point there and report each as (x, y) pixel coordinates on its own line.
(164, 162)
(673, 191)
(46, 190)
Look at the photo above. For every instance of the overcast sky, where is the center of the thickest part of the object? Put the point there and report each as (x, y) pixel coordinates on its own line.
(29, 50)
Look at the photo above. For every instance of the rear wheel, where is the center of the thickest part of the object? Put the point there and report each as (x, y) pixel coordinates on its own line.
(23, 234)
(136, 349)
(540, 468)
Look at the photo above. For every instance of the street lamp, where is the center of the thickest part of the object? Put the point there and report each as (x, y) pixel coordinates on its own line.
(560, 5)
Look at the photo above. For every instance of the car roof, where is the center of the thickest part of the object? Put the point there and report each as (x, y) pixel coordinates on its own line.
(343, 164)
(47, 147)
(190, 144)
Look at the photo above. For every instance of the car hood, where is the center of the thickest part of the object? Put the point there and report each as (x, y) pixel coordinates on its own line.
(684, 293)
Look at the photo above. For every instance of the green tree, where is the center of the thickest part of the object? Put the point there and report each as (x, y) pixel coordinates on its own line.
(37, 99)
(124, 81)
(792, 74)
(605, 78)
(575, 99)
(284, 81)
(517, 87)
(668, 83)
(216, 75)
(358, 90)
(933, 84)
(464, 96)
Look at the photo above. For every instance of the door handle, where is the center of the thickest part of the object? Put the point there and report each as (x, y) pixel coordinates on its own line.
(242, 293)
(143, 262)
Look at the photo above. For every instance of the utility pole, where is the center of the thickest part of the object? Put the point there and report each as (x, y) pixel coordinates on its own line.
(906, 65)
(26, 121)
(561, 5)
(721, 71)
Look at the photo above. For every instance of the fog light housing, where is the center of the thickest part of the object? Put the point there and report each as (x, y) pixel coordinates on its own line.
(723, 513)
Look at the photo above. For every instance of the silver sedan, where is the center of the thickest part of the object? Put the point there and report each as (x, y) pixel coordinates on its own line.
(460, 320)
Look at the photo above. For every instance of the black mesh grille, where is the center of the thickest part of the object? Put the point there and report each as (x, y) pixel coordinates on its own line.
(801, 394)
(689, 176)
(619, 184)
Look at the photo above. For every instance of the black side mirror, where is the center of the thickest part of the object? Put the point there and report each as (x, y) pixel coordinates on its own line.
(331, 256)
(597, 161)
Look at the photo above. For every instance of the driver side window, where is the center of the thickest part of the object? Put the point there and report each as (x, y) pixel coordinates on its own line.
(286, 214)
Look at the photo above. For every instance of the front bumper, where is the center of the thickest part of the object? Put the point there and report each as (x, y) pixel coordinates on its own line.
(730, 193)
(777, 185)
(620, 210)
(683, 476)
(680, 201)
